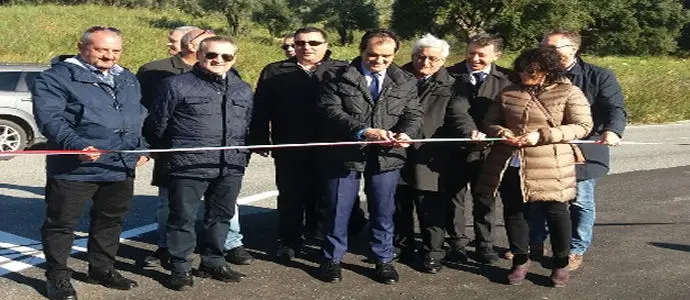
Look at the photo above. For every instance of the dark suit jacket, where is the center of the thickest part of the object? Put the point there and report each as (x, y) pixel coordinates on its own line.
(151, 74)
(480, 100)
(285, 106)
(445, 116)
(346, 107)
(608, 112)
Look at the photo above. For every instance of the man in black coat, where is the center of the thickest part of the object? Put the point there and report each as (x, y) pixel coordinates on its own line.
(285, 112)
(479, 80)
(369, 100)
(209, 106)
(608, 112)
(422, 179)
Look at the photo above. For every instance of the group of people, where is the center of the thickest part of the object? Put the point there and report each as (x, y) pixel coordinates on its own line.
(195, 98)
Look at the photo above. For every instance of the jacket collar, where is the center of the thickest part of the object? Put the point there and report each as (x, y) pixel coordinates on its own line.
(178, 63)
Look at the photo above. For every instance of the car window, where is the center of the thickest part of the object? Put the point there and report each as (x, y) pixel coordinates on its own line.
(9, 80)
(27, 82)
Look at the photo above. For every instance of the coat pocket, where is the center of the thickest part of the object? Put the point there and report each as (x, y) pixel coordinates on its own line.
(198, 106)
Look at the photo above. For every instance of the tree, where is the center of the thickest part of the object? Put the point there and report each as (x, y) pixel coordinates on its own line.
(236, 12)
(276, 15)
(345, 16)
(635, 27)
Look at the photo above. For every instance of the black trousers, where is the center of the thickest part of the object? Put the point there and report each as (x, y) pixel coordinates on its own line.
(516, 213)
(220, 195)
(64, 204)
(300, 198)
(483, 209)
(431, 213)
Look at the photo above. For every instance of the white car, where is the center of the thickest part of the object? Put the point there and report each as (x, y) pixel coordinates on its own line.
(18, 128)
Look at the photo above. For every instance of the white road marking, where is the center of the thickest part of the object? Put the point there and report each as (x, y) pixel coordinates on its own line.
(19, 253)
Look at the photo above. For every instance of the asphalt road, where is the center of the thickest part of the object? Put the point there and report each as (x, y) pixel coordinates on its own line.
(641, 248)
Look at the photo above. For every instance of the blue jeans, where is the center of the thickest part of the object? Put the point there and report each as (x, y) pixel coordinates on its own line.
(582, 214)
(233, 240)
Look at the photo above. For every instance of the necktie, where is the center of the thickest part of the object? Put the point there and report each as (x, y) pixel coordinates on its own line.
(374, 85)
(478, 78)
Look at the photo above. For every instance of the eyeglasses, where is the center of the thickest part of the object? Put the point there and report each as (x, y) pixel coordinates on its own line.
(432, 59)
(311, 43)
(562, 46)
(287, 46)
(206, 31)
(103, 28)
(224, 56)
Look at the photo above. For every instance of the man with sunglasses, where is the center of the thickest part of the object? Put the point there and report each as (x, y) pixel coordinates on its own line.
(285, 112)
(150, 75)
(88, 102)
(209, 106)
(288, 45)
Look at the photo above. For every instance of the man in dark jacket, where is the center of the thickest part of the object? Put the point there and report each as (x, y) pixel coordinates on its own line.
(421, 185)
(150, 76)
(209, 106)
(479, 80)
(369, 100)
(89, 103)
(285, 112)
(608, 113)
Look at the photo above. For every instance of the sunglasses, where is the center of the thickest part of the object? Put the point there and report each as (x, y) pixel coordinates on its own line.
(311, 43)
(224, 56)
(287, 46)
(209, 31)
(103, 28)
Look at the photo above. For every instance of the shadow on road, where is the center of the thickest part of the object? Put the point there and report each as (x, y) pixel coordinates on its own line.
(677, 247)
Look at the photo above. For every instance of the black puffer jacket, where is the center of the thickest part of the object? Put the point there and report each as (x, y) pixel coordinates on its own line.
(346, 107)
(201, 109)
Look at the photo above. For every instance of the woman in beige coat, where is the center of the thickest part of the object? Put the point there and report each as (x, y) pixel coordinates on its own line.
(535, 166)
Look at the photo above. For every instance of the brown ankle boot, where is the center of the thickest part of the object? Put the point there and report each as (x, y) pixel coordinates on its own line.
(517, 274)
(559, 277)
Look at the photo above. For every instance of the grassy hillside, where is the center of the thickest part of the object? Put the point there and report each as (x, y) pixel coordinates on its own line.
(655, 87)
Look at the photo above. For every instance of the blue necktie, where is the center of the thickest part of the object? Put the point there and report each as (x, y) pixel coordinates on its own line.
(478, 78)
(374, 85)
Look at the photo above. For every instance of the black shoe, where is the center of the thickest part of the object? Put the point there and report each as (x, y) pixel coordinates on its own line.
(60, 289)
(181, 281)
(111, 278)
(486, 256)
(457, 255)
(431, 265)
(239, 256)
(159, 258)
(386, 273)
(331, 272)
(223, 273)
(285, 253)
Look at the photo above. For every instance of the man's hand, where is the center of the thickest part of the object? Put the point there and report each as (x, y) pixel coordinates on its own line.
(375, 134)
(142, 160)
(400, 139)
(89, 156)
(528, 139)
(610, 138)
(477, 135)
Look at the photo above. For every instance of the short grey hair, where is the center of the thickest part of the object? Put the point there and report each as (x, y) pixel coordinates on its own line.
(429, 40)
(183, 29)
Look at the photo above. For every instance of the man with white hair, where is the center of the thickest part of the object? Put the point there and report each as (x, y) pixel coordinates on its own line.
(424, 177)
